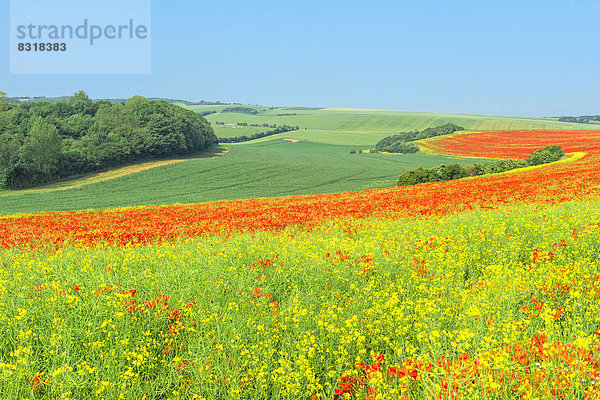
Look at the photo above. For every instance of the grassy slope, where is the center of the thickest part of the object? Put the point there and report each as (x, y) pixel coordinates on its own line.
(319, 163)
(366, 127)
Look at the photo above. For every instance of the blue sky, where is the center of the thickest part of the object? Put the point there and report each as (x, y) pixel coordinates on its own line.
(526, 58)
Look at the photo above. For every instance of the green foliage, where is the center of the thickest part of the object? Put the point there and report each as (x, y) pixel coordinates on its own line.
(450, 172)
(585, 119)
(4, 103)
(243, 110)
(41, 152)
(398, 143)
(440, 173)
(500, 166)
(416, 176)
(9, 160)
(50, 141)
(258, 135)
(394, 144)
(445, 129)
(546, 155)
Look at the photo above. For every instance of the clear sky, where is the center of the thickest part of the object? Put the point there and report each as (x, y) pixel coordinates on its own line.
(530, 58)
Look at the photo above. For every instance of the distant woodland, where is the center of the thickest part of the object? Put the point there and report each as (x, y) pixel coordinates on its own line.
(42, 142)
(585, 119)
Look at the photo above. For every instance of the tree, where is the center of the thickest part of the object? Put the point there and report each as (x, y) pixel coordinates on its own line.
(546, 155)
(9, 162)
(398, 143)
(42, 149)
(450, 172)
(3, 103)
(81, 104)
(419, 175)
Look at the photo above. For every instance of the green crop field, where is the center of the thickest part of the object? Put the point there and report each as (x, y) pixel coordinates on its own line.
(272, 166)
(268, 168)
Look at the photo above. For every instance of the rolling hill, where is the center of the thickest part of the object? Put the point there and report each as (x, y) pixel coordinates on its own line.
(318, 160)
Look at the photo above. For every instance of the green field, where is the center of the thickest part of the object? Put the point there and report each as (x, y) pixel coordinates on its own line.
(266, 169)
(319, 163)
(367, 127)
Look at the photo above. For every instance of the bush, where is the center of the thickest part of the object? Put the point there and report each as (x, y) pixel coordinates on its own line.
(473, 169)
(445, 129)
(393, 144)
(450, 172)
(502, 166)
(419, 175)
(546, 155)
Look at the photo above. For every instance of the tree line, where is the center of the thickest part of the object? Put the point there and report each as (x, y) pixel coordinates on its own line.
(243, 110)
(264, 125)
(22, 99)
(258, 135)
(399, 143)
(584, 119)
(42, 142)
(454, 171)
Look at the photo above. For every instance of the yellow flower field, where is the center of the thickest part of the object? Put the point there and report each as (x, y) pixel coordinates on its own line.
(494, 304)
